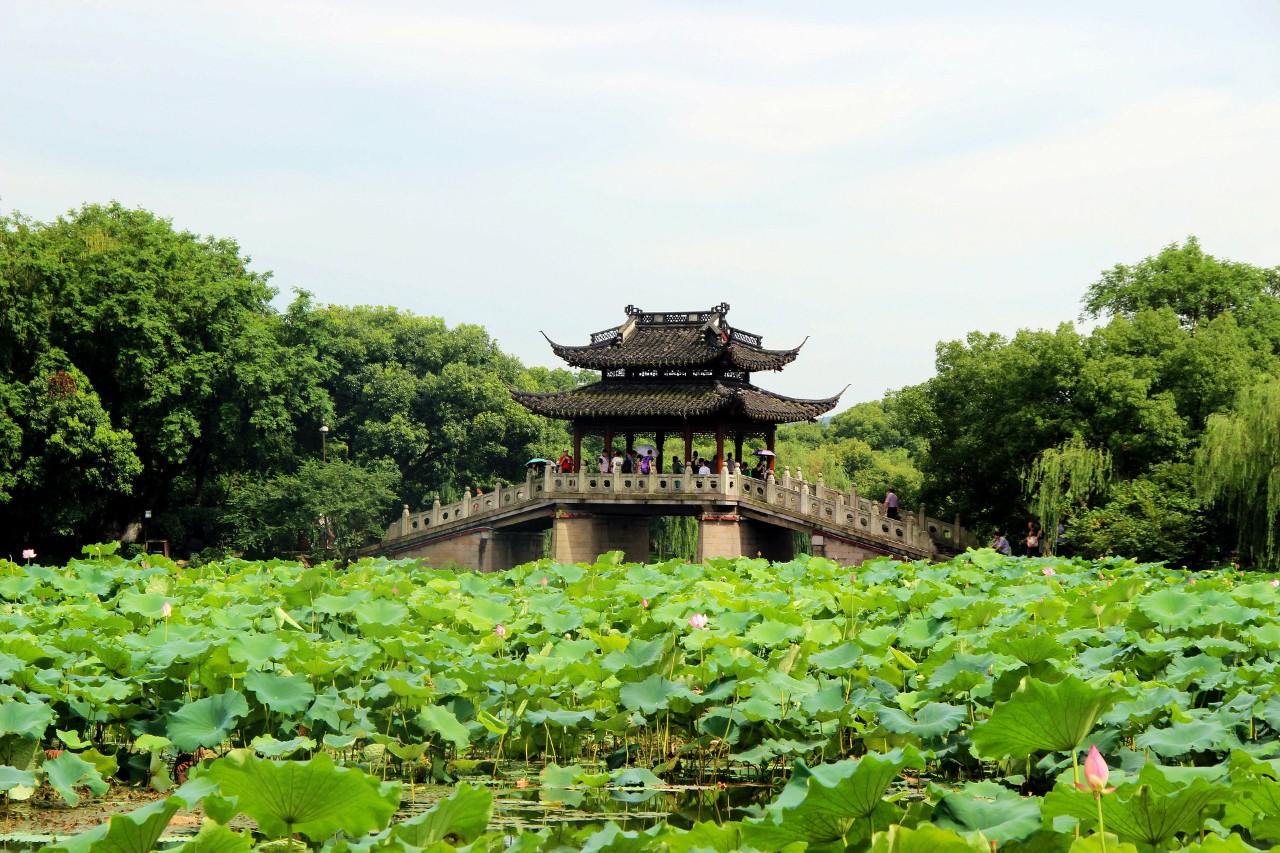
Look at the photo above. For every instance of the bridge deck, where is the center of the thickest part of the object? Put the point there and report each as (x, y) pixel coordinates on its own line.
(786, 502)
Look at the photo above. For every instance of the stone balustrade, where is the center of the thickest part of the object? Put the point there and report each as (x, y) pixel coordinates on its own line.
(793, 496)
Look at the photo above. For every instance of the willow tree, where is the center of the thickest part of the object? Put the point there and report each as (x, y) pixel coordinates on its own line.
(1238, 466)
(675, 536)
(1064, 477)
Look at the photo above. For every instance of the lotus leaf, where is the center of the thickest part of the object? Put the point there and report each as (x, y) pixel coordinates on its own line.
(932, 720)
(283, 694)
(1153, 809)
(68, 771)
(437, 720)
(314, 798)
(25, 719)
(217, 838)
(820, 804)
(999, 814)
(926, 839)
(1042, 717)
(134, 832)
(12, 777)
(206, 722)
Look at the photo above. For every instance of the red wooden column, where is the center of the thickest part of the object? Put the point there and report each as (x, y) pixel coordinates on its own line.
(660, 439)
(577, 448)
(719, 469)
(688, 444)
(737, 448)
(608, 443)
(631, 442)
(769, 442)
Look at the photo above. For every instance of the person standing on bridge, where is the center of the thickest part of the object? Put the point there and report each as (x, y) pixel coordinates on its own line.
(616, 464)
(566, 463)
(891, 504)
(602, 463)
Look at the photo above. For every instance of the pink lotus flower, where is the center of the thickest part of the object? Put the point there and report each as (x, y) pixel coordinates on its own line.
(544, 581)
(500, 630)
(644, 602)
(166, 610)
(699, 621)
(1048, 571)
(1275, 583)
(1095, 773)
(29, 553)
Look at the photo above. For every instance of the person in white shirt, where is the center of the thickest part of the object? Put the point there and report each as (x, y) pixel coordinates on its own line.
(704, 469)
(617, 462)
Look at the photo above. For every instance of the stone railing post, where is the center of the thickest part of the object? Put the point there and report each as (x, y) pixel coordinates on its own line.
(799, 474)
(840, 519)
(466, 502)
(404, 521)
(804, 498)
(435, 510)
(548, 479)
(770, 489)
(820, 487)
(853, 497)
(786, 477)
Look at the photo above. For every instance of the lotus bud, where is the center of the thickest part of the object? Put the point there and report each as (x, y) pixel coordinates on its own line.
(644, 602)
(166, 610)
(1095, 773)
(698, 621)
(500, 630)
(544, 581)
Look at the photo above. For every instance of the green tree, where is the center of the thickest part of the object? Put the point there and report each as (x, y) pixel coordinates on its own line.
(1195, 285)
(177, 338)
(68, 462)
(1152, 517)
(327, 509)
(1064, 478)
(1238, 466)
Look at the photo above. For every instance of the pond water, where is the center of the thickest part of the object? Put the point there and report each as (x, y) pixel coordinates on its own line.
(32, 824)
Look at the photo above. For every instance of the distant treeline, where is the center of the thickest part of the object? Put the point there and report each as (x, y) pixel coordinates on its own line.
(144, 368)
(1156, 435)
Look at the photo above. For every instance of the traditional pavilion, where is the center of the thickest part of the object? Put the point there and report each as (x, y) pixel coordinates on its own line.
(670, 374)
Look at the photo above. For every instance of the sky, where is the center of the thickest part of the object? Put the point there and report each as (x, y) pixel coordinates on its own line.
(878, 177)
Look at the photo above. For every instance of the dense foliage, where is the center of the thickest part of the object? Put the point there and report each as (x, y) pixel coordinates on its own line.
(921, 706)
(1190, 343)
(144, 368)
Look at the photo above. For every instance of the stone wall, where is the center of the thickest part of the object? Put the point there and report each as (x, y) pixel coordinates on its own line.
(581, 537)
(483, 548)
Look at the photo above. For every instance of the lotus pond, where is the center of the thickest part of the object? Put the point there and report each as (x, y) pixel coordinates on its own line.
(726, 706)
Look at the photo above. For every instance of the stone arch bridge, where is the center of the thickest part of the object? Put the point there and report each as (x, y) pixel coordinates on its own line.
(590, 513)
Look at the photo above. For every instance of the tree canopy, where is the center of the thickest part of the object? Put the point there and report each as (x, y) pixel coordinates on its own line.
(144, 368)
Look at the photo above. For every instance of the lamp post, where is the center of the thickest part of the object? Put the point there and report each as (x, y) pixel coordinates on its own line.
(324, 436)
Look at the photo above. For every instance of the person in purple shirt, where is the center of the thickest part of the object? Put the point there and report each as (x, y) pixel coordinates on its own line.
(891, 504)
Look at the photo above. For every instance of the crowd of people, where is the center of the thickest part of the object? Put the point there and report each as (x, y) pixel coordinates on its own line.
(645, 461)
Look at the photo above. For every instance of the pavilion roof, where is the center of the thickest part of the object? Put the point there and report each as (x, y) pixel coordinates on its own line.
(675, 339)
(641, 398)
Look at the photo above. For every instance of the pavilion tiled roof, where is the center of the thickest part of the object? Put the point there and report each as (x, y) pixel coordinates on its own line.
(698, 339)
(687, 398)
